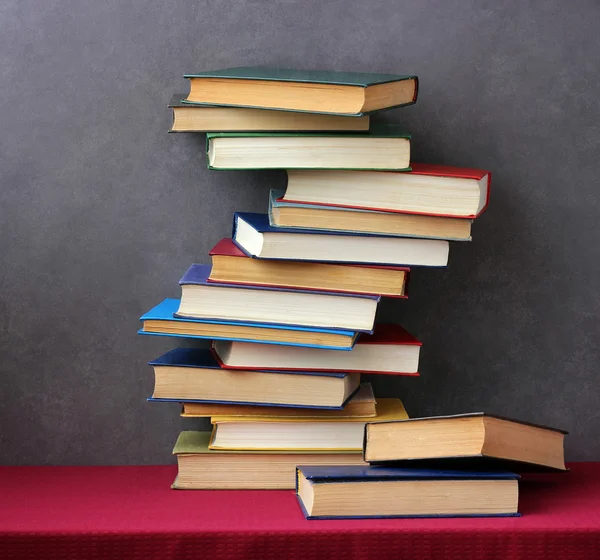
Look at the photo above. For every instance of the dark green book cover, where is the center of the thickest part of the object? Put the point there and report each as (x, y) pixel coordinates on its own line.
(326, 77)
(377, 131)
(358, 79)
(177, 100)
(192, 442)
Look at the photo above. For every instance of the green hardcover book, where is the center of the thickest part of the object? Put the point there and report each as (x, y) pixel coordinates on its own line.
(201, 468)
(313, 91)
(384, 147)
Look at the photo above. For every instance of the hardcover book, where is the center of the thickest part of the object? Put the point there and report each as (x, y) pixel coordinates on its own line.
(361, 404)
(267, 304)
(314, 91)
(390, 350)
(212, 118)
(307, 434)
(160, 321)
(430, 190)
(193, 374)
(466, 441)
(200, 468)
(381, 148)
(356, 491)
(300, 215)
(254, 235)
(231, 265)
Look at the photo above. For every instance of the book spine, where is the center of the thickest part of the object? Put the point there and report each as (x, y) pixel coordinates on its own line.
(365, 438)
(233, 233)
(208, 165)
(270, 212)
(414, 100)
(213, 435)
(487, 196)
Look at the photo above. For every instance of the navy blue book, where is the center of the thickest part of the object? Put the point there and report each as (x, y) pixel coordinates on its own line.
(194, 375)
(357, 491)
(201, 299)
(254, 235)
(161, 321)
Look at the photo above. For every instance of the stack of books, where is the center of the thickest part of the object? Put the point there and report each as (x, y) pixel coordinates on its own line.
(289, 302)
(446, 466)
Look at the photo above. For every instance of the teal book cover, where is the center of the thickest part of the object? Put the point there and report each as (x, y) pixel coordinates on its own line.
(359, 79)
(379, 130)
(351, 94)
(166, 310)
(343, 152)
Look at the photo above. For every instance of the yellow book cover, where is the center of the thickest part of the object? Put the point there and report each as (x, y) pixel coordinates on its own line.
(387, 409)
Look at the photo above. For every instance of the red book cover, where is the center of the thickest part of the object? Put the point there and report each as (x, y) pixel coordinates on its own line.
(347, 370)
(227, 248)
(432, 170)
(389, 334)
(436, 170)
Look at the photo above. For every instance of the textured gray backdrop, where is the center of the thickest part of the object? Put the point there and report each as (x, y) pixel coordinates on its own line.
(102, 210)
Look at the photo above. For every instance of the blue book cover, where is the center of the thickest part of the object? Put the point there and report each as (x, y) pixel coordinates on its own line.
(187, 357)
(248, 403)
(202, 358)
(198, 274)
(262, 225)
(260, 222)
(205, 359)
(274, 202)
(165, 311)
(365, 473)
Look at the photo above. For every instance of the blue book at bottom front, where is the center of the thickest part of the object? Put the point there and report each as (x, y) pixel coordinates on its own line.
(361, 492)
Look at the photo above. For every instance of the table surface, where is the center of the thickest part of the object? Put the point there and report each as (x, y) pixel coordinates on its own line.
(125, 502)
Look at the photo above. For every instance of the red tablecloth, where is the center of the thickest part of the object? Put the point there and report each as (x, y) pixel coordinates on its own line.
(61, 513)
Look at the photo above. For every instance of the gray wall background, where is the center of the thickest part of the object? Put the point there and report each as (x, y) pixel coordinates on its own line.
(102, 211)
